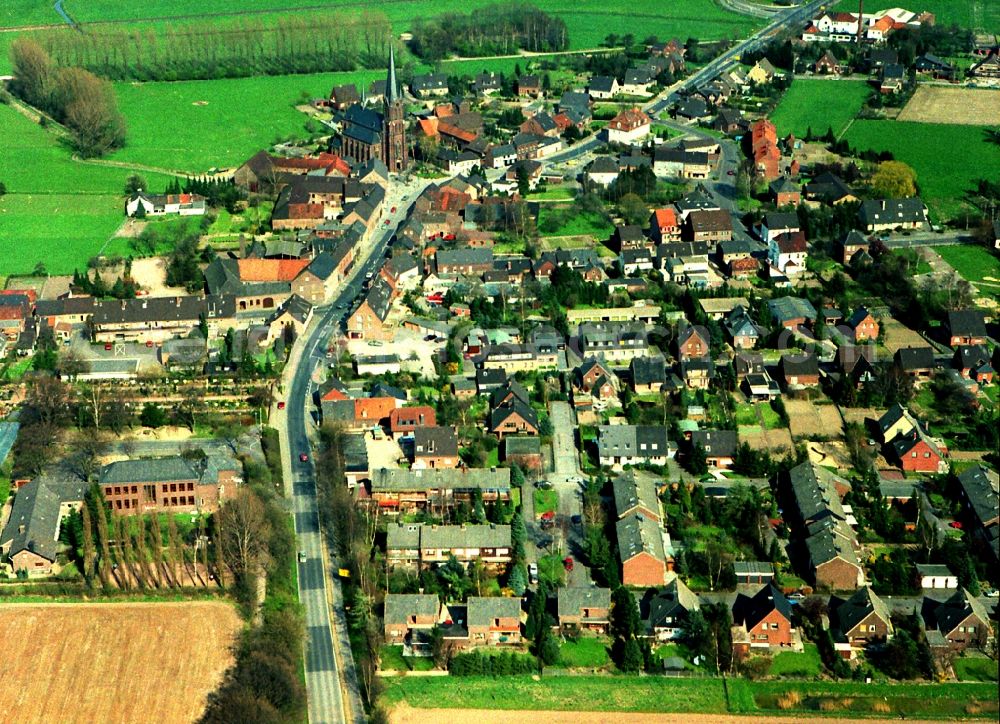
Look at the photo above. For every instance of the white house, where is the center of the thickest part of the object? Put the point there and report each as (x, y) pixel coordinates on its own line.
(629, 126)
(936, 576)
(787, 253)
(163, 204)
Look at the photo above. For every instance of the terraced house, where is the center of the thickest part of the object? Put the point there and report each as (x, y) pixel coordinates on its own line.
(420, 545)
(437, 491)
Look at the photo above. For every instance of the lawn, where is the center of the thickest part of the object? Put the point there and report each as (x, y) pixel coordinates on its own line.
(61, 211)
(546, 501)
(792, 663)
(974, 263)
(819, 105)
(391, 659)
(746, 414)
(586, 652)
(221, 131)
(943, 180)
(577, 224)
(567, 693)
(968, 668)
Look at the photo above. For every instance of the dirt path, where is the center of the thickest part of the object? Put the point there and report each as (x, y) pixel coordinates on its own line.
(405, 714)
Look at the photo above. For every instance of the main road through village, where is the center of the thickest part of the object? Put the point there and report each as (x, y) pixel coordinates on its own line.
(331, 680)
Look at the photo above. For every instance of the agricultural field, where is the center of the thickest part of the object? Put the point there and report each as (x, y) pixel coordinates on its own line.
(943, 177)
(205, 123)
(129, 662)
(819, 105)
(963, 106)
(807, 419)
(61, 211)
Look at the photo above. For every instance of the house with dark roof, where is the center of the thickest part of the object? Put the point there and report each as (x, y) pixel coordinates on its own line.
(829, 189)
(965, 326)
(368, 320)
(742, 331)
(669, 609)
(435, 448)
(973, 362)
(636, 494)
(799, 370)
(892, 214)
(719, 446)
(30, 538)
(494, 621)
(792, 312)
(915, 451)
(514, 417)
(647, 374)
(762, 621)
(602, 87)
(962, 621)
(642, 551)
(621, 445)
(416, 544)
(428, 85)
(980, 486)
(522, 450)
(583, 608)
(862, 620)
(916, 362)
(407, 615)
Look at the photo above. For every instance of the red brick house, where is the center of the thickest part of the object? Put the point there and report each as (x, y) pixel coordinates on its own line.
(404, 420)
(963, 621)
(640, 548)
(406, 613)
(966, 327)
(514, 418)
(584, 608)
(863, 325)
(916, 452)
(692, 342)
(435, 448)
(764, 149)
(862, 620)
(494, 621)
(763, 621)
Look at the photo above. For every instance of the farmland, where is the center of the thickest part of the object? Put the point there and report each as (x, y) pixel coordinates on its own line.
(967, 106)
(819, 104)
(200, 124)
(61, 211)
(943, 180)
(115, 662)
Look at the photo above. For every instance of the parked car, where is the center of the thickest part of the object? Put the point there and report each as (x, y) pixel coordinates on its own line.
(281, 405)
(303, 457)
(577, 520)
(302, 556)
(956, 524)
(107, 347)
(543, 485)
(533, 573)
(568, 563)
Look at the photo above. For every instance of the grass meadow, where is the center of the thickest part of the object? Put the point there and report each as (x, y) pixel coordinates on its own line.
(947, 158)
(58, 211)
(819, 104)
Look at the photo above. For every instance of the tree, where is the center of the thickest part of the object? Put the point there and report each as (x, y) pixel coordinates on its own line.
(243, 533)
(633, 209)
(47, 401)
(625, 621)
(894, 180)
(631, 659)
(523, 182)
(152, 415)
(548, 648)
(135, 183)
(696, 461)
(518, 580)
(88, 447)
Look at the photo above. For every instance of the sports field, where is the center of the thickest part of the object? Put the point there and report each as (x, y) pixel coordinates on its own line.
(109, 662)
(819, 104)
(965, 106)
(56, 211)
(981, 14)
(947, 158)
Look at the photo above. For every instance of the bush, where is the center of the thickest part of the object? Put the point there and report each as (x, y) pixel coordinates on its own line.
(506, 663)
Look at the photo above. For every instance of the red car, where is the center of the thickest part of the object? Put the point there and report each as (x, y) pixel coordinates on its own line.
(568, 564)
(303, 458)
(550, 515)
(281, 405)
(392, 210)
(956, 524)
(107, 347)
(149, 343)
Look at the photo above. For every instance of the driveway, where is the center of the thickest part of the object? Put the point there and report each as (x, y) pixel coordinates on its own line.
(566, 481)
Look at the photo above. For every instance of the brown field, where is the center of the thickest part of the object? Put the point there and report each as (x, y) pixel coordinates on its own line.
(898, 336)
(962, 106)
(777, 442)
(806, 419)
(109, 662)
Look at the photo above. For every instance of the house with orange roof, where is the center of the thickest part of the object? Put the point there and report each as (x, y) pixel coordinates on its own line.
(663, 226)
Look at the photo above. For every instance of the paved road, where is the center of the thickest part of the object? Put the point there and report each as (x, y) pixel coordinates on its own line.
(331, 679)
(566, 481)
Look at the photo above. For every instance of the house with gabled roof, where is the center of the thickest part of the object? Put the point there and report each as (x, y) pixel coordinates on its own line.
(406, 615)
(669, 610)
(642, 552)
(973, 362)
(761, 621)
(863, 325)
(965, 326)
(962, 620)
(891, 214)
(368, 320)
(647, 374)
(514, 417)
(30, 539)
(494, 621)
(719, 446)
(583, 608)
(742, 331)
(603, 87)
(620, 445)
(628, 126)
(980, 488)
(862, 620)
(636, 494)
(435, 448)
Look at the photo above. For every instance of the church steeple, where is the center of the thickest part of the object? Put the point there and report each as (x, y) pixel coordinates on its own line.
(391, 89)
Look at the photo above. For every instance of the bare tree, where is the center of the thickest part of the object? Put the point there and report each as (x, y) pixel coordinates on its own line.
(88, 446)
(70, 365)
(244, 533)
(47, 400)
(104, 563)
(156, 548)
(176, 551)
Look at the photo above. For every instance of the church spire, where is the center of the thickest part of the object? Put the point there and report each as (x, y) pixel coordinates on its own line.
(391, 89)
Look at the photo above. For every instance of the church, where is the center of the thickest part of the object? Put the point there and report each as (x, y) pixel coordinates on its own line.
(367, 134)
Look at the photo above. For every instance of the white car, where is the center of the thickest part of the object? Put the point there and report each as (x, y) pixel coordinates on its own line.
(533, 573)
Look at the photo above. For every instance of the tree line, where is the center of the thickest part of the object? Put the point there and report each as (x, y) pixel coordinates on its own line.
(318, 42)
(493, 30)
(72, 95)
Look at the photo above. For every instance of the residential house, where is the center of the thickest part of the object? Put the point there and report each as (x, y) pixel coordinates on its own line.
(602, 87)
(436, 489)
(630, 125)
(853, 244)
(719, 446)
(414, 545)
(973, 362)
(753, 573)
(777, 223)
(594, 385)
(620, 445)
(915, 451)
(636, 82)
(692, 342)
(679, 163)
(892, 78)
(862, 620)
(614, 342)
(938, 68)
(342, 96)
(709, 225)
(693, 108)
(830, 189)
(762, 72)
(434, 448)
(863, 325)
(641, 551)
(368, 320)
(529, 86)
(730, 121)
(962, 620)
(763, 142)
(636, 494)
(583, 608)
(513, 417)
(669, 610)
(965, 327)
(648, 374)
(785, 192)
(935, 576)
(522, 450)
(143, 204)
(761, 621)
(917, 362)
(494, 621)
(403, 421)
(602, 171)
(742, 331)
(664, 226)
(827, 64)
(31, 536)
(408, 613)
(792, 312)
(893, 214)
(428, 85)
(737, 257)
(473, 261)
(799, 370)
(979, 486)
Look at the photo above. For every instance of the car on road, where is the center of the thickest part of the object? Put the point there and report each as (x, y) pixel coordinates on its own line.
(281, 405)
(302, 556)
(107, 347)
(392, 210)
(374, 343)
(429, 338)
(543, 485)
(149, 343)
(956, 524)
(730, 172)
(303, 457)
(544, 542)
(533, 573)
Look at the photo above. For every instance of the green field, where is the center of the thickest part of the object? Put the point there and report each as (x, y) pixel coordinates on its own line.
(167, 130)
(59, 211)
(792, 663)
(984, 14)
(582, 224)
(974, 263)
(969, 668)
(932, 150)
(586, 652)
(572, 693)
(819, 104)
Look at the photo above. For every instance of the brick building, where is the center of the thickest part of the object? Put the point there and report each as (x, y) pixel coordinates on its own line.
(169, 485)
